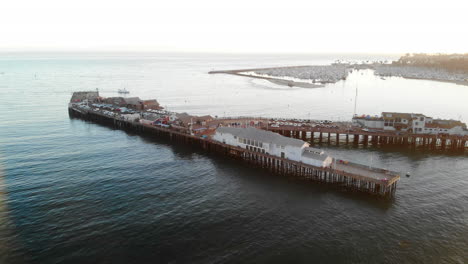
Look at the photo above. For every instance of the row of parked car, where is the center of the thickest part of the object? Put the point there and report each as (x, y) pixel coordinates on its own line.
(300, 124)
(107, 113)
(298, 120)
(161, 112)
(113, 111)
(95, 107)
(326, 126)
(123, 110)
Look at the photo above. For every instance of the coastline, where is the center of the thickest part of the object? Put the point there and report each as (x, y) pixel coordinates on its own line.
(465, 83)
(420, 73)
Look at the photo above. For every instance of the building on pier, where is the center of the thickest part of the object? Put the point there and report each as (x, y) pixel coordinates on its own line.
(374, 122)
(272, 143)
(87, 96)
(411, 123)
(117, 101)
(150, 104)
(451, 127)
(133, 102)
(188, 120)
(316, 157)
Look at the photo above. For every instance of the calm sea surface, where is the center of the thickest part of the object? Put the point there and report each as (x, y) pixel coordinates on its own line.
(72, 191)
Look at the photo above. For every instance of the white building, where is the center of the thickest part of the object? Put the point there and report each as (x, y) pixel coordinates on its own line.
(368, 122)
(130, 117)
(316, 157)
(273, 144)
(450, 127)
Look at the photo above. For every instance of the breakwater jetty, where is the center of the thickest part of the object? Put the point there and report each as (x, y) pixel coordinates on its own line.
(343, 175)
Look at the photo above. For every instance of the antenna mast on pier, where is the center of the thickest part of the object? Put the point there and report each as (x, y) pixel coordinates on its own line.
(355, 101)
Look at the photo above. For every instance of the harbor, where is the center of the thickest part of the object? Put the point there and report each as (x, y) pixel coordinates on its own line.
(344, 174)
(411, 66)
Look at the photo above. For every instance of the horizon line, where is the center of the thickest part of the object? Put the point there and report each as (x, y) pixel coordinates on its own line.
(58, 51)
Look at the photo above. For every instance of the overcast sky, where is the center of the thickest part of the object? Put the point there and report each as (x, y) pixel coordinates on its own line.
(392, 26)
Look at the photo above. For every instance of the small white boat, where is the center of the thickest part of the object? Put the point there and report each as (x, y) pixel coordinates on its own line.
(123, 91)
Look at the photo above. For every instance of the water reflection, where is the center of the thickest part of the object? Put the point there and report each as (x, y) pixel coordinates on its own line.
(8, 244)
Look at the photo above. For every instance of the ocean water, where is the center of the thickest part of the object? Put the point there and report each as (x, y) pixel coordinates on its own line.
(78, 192)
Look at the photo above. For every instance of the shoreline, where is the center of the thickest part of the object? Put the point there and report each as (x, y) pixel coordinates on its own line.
(420, 73)
(465, 83)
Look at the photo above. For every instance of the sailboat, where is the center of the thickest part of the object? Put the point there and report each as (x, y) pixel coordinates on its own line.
(123, 91)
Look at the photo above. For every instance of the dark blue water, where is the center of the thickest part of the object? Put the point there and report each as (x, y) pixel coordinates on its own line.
(74, 192)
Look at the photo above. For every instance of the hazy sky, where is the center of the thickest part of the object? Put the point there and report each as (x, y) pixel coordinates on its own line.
(392, 26)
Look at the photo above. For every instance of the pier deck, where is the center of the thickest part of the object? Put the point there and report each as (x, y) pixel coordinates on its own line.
(369, 173)
(345, 176)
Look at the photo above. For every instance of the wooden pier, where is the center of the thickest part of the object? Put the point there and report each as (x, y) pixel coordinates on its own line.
(342, 136)
(382, 184)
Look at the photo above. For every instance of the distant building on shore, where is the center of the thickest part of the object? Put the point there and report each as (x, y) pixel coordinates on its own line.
(411, 123)
(272, 143)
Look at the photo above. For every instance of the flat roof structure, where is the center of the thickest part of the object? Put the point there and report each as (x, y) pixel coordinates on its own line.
(262, 135)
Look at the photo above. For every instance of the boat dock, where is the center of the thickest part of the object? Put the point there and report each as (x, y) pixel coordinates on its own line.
(344, 175)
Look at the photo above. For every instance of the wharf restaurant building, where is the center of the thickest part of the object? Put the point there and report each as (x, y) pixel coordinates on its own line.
(273, 144)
